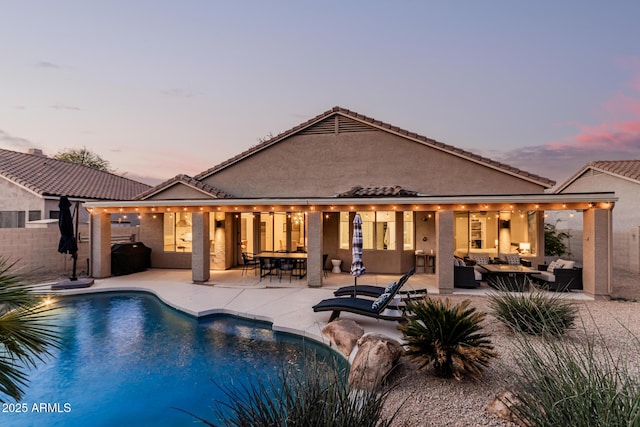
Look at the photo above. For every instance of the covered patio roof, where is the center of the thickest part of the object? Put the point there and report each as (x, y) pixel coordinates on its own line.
(565, 201)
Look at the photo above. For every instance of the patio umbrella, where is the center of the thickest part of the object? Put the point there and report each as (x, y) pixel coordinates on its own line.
(357, 267)
(68, 244)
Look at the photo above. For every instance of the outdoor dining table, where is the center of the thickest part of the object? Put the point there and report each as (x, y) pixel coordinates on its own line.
(299, 259)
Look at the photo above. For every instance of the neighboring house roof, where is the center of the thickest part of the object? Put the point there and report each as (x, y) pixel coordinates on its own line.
(46, 176)
(360, 120)
(627, 169)
(183, 179)
(395, 191)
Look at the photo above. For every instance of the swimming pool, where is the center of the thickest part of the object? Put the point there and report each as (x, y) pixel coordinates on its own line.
(128, 359)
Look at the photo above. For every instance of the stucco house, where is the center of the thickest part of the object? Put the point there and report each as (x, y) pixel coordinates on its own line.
(31, 185)
(622, 177)
(301, 189)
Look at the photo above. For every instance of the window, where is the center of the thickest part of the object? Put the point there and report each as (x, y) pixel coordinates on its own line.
(178, 234)
(386, 230)
(345, 238)
(11, 219)
(495, 232)
(246, 232)
(378, 230)
(35, 215)
(407, 231)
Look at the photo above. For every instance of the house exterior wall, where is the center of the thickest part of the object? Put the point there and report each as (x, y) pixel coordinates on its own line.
(15, 198)
(151, 233)
(625, 222)
(323, 165)
(180, 192)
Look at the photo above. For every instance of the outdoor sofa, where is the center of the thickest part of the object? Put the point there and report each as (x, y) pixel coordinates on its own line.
(560, 275)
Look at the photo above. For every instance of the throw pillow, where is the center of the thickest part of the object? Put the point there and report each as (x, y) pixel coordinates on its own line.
(552, 266)
(480, 258)
(512, 259)
(389, 288)
(380, 301)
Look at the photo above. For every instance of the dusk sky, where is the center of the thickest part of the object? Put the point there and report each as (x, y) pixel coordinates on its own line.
(159, 88)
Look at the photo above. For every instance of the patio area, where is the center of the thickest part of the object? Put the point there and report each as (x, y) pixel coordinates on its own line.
(286, 305)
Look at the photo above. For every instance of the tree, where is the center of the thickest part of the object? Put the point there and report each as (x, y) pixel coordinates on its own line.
(26, 332)
(83, 156)
(554, 240)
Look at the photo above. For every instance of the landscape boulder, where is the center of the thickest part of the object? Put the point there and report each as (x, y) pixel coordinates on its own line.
(501, 407)
(344, 334)
(375, 357)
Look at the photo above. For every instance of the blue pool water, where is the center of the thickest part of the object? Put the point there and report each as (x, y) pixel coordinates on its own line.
(129, 360)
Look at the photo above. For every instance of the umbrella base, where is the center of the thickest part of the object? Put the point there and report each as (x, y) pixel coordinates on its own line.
(72, 284)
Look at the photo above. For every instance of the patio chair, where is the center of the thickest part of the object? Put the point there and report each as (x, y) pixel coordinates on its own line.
(249, 262)
(378, 309)
(285, 264)
(376, 291)
(267, 267)
(325, 269)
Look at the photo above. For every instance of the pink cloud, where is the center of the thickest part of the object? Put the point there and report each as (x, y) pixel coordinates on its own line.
(622, 104)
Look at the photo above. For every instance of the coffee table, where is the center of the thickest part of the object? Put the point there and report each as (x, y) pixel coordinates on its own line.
(511, 277)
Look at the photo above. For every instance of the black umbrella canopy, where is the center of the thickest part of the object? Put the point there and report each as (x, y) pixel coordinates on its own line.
(68, 244)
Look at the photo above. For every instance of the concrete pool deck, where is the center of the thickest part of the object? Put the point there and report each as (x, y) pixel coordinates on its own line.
(287, 306)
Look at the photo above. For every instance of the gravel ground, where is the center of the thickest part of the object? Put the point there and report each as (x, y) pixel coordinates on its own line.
(425, 400)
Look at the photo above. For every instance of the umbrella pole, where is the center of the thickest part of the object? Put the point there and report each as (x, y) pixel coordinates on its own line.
(75, 254)
(355, 282)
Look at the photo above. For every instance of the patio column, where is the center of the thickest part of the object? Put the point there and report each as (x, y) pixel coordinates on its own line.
(596, 252)
(200, 257)
(444, 251)
(100, 224)
(314, 249)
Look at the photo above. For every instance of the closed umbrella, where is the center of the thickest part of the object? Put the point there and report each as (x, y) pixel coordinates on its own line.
(357, 267)
(68, 244)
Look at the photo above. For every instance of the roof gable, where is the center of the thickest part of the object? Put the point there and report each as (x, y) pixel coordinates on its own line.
(182, 187)
(341, 120)
(625, 169)
(47, 176)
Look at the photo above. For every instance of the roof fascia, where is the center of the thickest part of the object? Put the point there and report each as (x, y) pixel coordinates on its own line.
(347, 201)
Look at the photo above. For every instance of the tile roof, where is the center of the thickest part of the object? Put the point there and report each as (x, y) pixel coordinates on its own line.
(395, 191)
(51, 177)
(185, 179)
(624, 168)
(384, 126)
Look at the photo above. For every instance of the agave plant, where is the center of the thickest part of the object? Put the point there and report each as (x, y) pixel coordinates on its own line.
(448, 338)
(534, 312)
(27, 335)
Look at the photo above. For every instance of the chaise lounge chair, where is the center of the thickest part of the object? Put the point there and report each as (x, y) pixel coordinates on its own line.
(378, 309)
(376, 291)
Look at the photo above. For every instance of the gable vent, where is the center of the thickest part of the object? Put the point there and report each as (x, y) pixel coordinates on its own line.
(347, 125)
(328, 126)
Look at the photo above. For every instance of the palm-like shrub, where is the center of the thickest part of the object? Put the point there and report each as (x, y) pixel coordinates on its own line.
(315, 396)
(448, 338)
(534, 312)
(26, 333)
